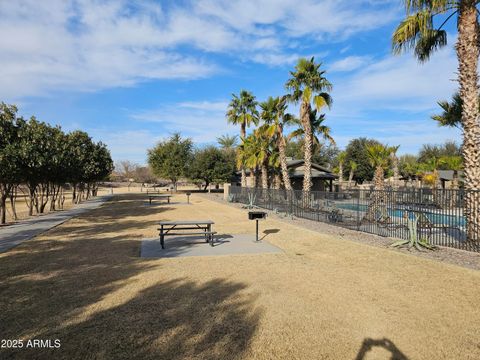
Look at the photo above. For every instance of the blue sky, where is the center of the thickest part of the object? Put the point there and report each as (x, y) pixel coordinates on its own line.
(132, 72)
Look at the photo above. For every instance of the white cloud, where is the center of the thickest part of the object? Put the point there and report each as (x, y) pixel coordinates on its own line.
(89, 45)
(397, 83)
(349, 63)
(128, 144)
(203, 121)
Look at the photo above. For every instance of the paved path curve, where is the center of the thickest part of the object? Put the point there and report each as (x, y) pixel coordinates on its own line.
(13, 235)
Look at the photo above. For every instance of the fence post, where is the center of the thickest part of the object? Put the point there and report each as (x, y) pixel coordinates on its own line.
(358, 210)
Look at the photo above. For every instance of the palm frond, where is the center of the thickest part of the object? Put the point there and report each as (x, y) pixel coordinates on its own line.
(406, 35)
(428, 42)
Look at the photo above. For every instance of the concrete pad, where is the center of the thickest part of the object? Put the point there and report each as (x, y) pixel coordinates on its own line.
(179, 246)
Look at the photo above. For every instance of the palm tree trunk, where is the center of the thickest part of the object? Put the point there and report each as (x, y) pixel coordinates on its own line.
(467, 53)
(378, 178)
(378, 196)
(243, 134)
(340, 172)
(253, 178)
(244, 177)
(264, 175)
(278, 181)
(350, 178)
(283, 160)
(308, 144)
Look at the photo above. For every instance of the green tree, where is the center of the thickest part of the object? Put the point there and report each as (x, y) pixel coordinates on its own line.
(242, 111)
(275, 116)
(418, 32)
(356, 151)
(10, 173)
(170, 159)
(429, 151)
(454, 163)
(211, 165)
(408, 166)
(308, 84)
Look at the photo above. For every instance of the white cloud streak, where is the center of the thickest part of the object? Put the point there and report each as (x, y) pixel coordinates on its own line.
(89, 45)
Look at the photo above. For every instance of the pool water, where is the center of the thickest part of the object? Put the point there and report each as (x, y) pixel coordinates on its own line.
(433, 217)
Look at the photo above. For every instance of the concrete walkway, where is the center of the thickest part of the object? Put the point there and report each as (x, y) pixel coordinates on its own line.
(180, 246)
(13, 235)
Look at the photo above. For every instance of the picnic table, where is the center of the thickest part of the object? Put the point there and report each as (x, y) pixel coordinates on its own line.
(186, 228)
(158, 196)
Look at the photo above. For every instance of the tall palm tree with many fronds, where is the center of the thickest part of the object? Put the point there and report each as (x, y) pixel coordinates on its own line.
(307, 85)
(341, 161)
(395, 164)
(379, 157)
(243, 110)
(318, 129)
(275, 116)
(247, 157)
(418, 32)
(353, 167)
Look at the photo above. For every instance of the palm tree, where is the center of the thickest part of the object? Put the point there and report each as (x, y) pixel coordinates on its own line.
(394, 161)
(353, 167)
(262, 151)
(227, 142)
(341, 161)
(318, 129)
(379, 157)
(307, 84)
(274, 114)
(409, 166)
(452, 113)
(417, 32)
(243, 110)
(246, 157)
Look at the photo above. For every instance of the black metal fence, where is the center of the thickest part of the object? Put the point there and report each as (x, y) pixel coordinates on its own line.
(440, 213)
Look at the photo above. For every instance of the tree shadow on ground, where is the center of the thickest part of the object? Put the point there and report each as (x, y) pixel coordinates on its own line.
(386, 344)
(177, 319)
(83, 285)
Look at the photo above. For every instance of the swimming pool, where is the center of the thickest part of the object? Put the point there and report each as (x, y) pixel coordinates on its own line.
(452, 220)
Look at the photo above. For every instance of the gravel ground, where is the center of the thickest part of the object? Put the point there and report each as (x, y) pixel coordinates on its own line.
(461, 258)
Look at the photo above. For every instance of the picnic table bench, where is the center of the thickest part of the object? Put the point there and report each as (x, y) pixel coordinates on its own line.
(158, 196)
(186, 228)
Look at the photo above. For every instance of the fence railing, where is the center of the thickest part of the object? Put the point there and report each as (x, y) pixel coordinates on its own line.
(440, 213)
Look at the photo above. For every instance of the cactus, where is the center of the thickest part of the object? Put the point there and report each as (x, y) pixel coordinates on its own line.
(413, 240)
(251, 200)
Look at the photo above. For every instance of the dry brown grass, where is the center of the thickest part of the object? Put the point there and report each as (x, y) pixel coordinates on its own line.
(324, 297)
